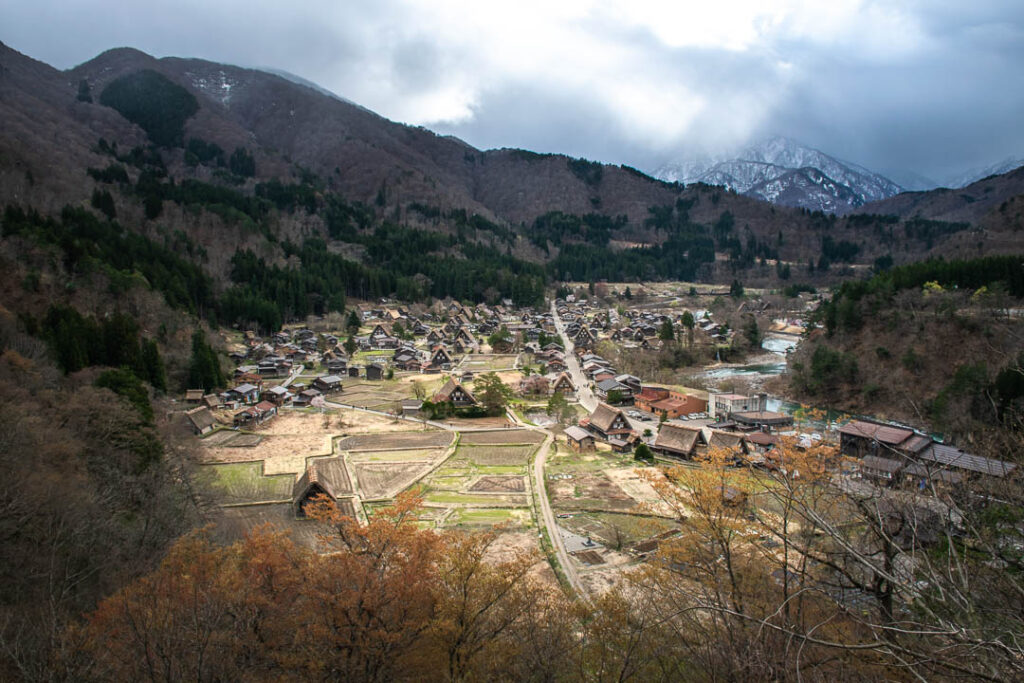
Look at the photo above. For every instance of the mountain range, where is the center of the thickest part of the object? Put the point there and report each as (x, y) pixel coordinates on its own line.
(732, 217)
(783, 171)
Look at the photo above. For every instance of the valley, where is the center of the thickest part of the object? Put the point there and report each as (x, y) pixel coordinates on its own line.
(335, 396)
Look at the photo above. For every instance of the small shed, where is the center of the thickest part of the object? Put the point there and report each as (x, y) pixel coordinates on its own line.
(580, 439)
(201, 420)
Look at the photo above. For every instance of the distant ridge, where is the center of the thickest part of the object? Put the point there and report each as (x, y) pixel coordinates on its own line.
(785, 172)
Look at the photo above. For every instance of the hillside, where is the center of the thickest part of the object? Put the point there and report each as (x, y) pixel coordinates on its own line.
(932, 344)
(253, 175)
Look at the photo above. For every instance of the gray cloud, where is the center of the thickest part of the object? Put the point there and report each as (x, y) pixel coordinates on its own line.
(925, 86)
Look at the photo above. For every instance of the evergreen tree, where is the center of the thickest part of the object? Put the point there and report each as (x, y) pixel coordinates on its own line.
(666, 333)
(493, 393)
(204, 367)
(353, 322)
(156, 374)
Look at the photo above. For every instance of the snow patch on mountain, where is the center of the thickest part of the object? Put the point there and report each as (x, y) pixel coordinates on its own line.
(785, 172)
(975, 174)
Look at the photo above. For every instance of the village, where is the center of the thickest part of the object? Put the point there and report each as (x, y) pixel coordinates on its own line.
(569, 460)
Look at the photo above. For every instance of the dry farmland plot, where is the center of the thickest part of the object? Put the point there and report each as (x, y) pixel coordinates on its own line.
(487, 362)
(396, 441)
(636, 482)
(474, 517)
(589, 491)
(404, 455)
(485, 456)
(500, 437)
(617, 530)
(386, 480)
(243, 482)
(500, 484)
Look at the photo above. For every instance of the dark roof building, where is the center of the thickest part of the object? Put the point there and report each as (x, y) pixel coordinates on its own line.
(327, 477)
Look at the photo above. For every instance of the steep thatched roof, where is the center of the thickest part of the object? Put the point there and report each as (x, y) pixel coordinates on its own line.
(604, 416)
(678, 439)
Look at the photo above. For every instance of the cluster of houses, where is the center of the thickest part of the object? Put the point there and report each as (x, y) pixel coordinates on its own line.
(898, 456)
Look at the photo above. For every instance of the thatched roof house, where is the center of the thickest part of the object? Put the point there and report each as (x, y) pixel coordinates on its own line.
(327, 477)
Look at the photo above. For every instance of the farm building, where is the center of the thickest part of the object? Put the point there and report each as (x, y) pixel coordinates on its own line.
(579, 439)
(607, 422)
(327, 477)
(882, 470)
(563, 383)
(678, 441)
(201, 419)
(456, 394)
(305, 398)
(327, 384)
(255, 415)
(375, 372)
(859, 438)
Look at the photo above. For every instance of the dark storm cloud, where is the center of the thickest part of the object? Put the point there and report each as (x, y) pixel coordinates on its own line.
(931, 87)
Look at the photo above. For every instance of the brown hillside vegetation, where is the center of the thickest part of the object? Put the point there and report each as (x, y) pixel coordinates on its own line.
(926, 357)
(774, 576)
(90, 499)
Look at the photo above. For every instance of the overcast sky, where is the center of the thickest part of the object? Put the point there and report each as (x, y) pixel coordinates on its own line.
(930, 86)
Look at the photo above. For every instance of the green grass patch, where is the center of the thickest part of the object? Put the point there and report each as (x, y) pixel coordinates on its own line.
(243, 482)
(501, 469)
(488, 517)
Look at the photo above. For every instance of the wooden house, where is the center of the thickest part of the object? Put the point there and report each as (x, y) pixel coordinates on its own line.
(327, 477)
(679, 441)
(247, 394)
(440, 358)
(305, 398)
(201, 420)
(608, 422)
(579, 439)
(453, 392)
(279, 396)
(563, 383)
(327, 384)
(859, 438)
(375, 372)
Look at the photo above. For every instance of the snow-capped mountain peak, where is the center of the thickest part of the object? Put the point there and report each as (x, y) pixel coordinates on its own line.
(783, 171)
